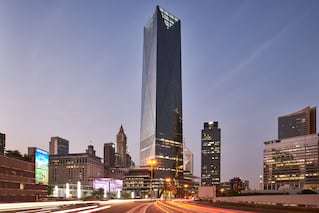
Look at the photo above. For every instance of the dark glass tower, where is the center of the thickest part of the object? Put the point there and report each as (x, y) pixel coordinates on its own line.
(210, 154)
(161, 113)
(302, 122)
(109, 155)
(2, 143)
(58, 146)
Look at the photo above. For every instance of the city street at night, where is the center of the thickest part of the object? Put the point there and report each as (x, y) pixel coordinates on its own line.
(133, 206)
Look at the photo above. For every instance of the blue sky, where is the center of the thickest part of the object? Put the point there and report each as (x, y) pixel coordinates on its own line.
(74, 69)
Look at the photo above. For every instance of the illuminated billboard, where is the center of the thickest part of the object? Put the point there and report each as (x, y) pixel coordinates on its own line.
(108, 184)
(41, 166)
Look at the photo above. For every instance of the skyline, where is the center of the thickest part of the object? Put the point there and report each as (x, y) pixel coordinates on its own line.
(244, 64)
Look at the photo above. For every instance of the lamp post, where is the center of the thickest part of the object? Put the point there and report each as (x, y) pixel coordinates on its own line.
(152, 163)
(185, 190)
(168, 187)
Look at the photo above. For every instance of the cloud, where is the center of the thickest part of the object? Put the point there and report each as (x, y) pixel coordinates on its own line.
(255, 54)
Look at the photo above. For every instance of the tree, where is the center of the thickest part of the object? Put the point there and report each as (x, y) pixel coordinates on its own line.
(14, 154)
(98, 193)
(17, 155)
(50, 190)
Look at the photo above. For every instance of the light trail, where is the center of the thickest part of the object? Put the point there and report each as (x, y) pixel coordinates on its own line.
(143, 207)
(77, 209)
(33, 205)
(204, 209)
(171, 207)
(161, 208)
(95, 210)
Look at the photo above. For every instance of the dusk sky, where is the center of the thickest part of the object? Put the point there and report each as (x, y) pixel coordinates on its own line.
(73, 69)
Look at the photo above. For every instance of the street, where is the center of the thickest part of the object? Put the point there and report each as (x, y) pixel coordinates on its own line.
(129, 206)
(111, 206)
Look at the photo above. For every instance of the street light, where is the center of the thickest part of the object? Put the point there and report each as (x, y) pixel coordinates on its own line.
(168, 187)
(152, 163)
(185, 190)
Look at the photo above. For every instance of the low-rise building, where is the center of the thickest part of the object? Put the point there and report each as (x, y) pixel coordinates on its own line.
(137, 182)
(17, 181)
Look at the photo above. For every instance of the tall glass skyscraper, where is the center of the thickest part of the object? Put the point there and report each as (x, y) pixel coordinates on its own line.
(210, 171)
(109, 155)
(161, 113)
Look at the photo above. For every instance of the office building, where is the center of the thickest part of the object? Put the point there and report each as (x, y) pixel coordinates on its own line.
(71, 168)
(109, 155)
(210, 159)
(2, 143)
(302, 122)
(137, 182)
(58, 146)
(121, 142)
(188, 160)
(291, 162)
(161, 136)
(129, 161)
(115, 173)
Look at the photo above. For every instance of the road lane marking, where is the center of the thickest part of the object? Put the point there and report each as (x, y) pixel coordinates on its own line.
(147, 207)
(142, 208)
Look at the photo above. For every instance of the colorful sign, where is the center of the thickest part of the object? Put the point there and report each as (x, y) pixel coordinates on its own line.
(41, 166)
(108, 184)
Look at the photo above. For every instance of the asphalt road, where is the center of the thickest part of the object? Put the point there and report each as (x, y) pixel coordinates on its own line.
(165, 207)
(135, 206)
(193, 207)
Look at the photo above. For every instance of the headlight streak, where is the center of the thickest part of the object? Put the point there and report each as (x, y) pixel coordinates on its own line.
(203, 209)
(142, 208)
(95, 210)
(77, 209)
(171, 207)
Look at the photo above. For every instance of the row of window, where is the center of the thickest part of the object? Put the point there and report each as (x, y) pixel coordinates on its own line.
(16, 172)
(21, 186)
(68, 161)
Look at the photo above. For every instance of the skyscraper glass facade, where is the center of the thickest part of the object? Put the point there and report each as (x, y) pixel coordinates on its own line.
(188, 160)
(161, 113)
(58, 146)
(302, 122)
(210, 166)
(109, 155)
(292, 163)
